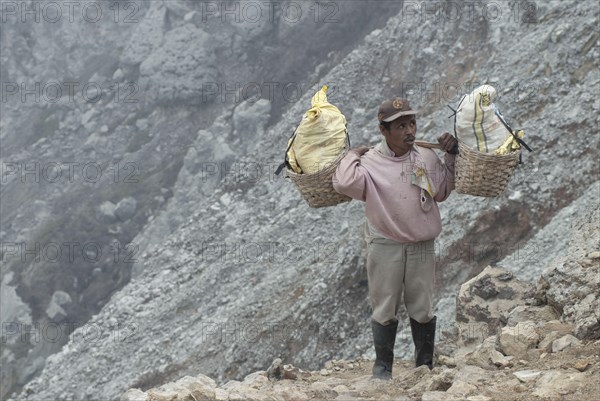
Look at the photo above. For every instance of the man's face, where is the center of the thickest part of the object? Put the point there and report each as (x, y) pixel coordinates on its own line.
(401, 135)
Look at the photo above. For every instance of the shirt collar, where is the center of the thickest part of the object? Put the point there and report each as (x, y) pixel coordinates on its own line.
(384, 149)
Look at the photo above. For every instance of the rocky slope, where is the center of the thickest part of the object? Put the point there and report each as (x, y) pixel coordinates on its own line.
(233, 268)
(92, 152)
(569, 374)
(534, 354)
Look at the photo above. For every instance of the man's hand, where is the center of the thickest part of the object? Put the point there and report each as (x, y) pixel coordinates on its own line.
(361, 150)
(448, 143)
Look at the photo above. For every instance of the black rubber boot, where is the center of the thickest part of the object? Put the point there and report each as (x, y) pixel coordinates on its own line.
(384, 338)
(424, 338)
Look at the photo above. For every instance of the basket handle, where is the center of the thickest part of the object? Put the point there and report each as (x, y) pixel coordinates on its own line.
(285, 161)
(508, 127)
(428, 145)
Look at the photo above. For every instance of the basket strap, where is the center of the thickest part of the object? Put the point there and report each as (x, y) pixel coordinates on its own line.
(454, 112)
(519, 140)
(285, 161)
(347, 137)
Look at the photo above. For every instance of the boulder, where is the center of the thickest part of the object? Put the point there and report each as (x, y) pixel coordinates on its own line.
(485, 302)
(565, 342)
(526, 376)
(517, 340)
(134, 394)
(256, 380)
(555, 384)
(182, 69)
(55, 309)
(275, 371)
(546, 344)
(125, 209)
(188, 388)
(487, 356)
(523, 313)
(106, 212)
(461, 387)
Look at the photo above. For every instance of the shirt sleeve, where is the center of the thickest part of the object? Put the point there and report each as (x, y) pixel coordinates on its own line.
(445, 177)
(350, 177)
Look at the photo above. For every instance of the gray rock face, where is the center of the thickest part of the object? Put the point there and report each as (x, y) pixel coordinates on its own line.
(13, 307)
(250, 119)
(182, 69)
(572, 283)
(147, 35)
(530, 260)
(130, 134)
(240, 254)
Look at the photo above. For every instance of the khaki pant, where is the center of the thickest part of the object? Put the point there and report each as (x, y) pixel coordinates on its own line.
(395, 268)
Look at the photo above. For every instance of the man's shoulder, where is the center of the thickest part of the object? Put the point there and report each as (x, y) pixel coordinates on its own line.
(371, 154)
(373, 161)
(425, 151)
(428, 154)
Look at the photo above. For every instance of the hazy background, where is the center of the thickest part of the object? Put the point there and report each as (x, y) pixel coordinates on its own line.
(139, 203)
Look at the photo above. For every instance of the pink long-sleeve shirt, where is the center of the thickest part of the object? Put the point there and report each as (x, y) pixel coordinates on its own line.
(392, 202)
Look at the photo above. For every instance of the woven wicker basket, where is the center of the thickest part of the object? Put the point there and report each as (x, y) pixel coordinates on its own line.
(482, 174)
(317, 189)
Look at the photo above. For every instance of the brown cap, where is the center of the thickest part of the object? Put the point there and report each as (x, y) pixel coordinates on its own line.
(394, 108)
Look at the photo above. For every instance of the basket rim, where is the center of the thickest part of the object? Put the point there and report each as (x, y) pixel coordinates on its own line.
(474, 152)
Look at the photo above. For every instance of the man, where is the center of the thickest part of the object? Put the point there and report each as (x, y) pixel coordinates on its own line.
(400, 184)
